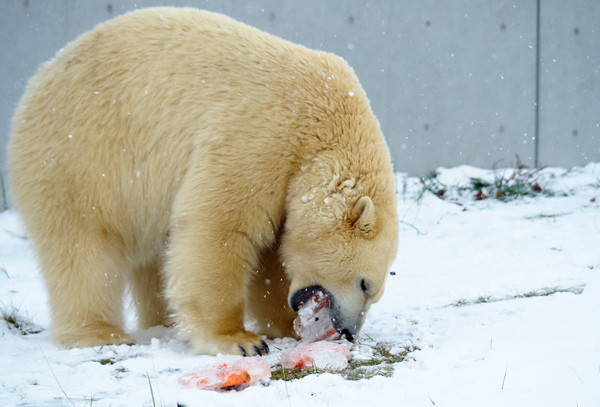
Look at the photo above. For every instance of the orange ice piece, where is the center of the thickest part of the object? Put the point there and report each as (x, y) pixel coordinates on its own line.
(239, 373)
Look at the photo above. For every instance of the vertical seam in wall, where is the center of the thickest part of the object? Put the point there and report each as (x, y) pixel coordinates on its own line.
(536, 157)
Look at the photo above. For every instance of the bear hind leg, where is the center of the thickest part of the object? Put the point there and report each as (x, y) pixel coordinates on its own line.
(85, 288)
(147, 288)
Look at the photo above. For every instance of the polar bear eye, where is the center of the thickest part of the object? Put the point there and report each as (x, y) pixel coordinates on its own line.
(365, 286)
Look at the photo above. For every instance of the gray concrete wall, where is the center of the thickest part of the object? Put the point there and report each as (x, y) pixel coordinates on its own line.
(452, 81)
(569, 82)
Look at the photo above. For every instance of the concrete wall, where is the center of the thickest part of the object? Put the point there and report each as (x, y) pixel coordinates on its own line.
(452, 81)
(569, 82)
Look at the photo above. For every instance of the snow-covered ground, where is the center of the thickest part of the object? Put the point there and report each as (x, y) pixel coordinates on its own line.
(501, 301)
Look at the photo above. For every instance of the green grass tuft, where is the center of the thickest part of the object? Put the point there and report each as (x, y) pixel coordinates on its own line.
(432, 184)
(543, 292)
(151, 390)
(17, 322)
(506, 186)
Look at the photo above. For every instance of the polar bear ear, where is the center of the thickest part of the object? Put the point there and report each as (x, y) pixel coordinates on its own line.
(362, 216)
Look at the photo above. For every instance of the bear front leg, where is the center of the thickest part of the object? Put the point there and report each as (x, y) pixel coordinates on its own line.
(268, 297)
(207, 279)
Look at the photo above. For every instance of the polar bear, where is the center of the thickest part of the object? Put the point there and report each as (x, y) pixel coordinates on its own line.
(216, 171)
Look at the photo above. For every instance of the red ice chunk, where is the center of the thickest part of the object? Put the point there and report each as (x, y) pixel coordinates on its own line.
(313, 322)
(321, 355)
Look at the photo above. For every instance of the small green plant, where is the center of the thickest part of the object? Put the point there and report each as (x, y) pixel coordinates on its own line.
(432, 184)
(506, 185)
(17, 322)
(281, 373)
(151, 391)
(519, 183)
(542, 292)
(546, 292)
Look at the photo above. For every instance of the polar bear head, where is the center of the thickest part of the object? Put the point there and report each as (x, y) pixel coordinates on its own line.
(341, 237)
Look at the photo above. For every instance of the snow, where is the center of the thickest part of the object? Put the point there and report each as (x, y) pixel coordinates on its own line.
(500, 299)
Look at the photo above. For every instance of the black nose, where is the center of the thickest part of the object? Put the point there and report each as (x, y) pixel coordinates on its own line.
(346, 334)
(303, 295)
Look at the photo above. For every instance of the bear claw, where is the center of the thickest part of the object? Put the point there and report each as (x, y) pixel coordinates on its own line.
(261, 350)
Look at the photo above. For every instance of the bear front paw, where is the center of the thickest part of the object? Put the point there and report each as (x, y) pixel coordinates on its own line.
(263, 349)
(240, 343)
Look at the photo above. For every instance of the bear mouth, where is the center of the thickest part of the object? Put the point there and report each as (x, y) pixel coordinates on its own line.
(305, 295)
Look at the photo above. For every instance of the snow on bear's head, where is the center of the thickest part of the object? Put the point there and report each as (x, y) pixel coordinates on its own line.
(341, 235)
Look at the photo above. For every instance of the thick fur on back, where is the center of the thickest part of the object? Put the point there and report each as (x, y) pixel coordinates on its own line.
(166, 149)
